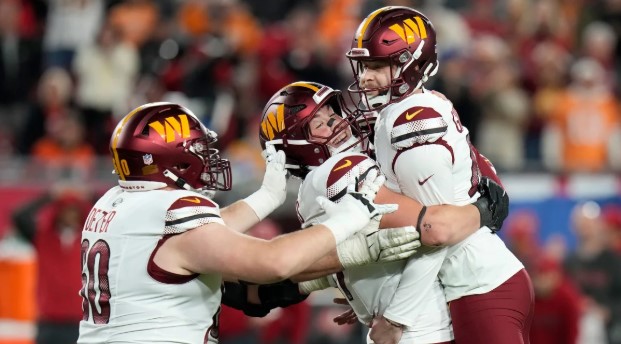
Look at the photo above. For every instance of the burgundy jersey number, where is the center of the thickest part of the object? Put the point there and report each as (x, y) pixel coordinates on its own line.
(95, 283)
(457, 121)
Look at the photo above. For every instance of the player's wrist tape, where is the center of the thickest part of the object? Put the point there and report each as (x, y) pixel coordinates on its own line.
(321, 283)
(262, 203)
(353, 252)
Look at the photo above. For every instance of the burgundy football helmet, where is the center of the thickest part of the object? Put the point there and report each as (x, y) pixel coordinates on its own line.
(164, 144)
(404, 39)
(285, 124)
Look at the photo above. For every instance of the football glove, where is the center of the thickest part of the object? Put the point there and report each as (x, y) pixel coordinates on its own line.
(273, 191)
(493, 204)
(352, 214)
(373, 245)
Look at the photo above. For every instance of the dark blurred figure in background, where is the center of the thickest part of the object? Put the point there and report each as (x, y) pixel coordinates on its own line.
(20, 67)
(557, 305)
(595, 268)
(612, 219)
(522, 236)
(63, 151)
(53, 100)
(52, 223)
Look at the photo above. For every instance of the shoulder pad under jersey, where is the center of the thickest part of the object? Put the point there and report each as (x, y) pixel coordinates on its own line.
(417, 125)
(344, 170)
(189, 212)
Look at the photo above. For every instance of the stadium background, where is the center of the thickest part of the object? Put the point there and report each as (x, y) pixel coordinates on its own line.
(535, 81)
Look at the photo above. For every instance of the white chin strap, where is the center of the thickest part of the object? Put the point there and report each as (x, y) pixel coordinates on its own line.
(174, 178)
(375, 101)
(343, 147)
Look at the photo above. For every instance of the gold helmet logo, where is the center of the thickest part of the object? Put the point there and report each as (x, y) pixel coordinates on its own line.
(274, 122)
(172, 127)
(409, 30)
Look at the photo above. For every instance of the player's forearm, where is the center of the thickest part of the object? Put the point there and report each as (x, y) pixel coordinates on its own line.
(326, 265)
(446, 225)
(288, 258)
(239, 216)
(440, 225)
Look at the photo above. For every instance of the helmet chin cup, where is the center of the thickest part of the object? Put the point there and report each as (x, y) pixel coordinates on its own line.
(404, 57)
(404, 88)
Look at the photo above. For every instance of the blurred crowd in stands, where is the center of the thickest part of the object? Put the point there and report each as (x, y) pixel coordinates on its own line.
(537, 82)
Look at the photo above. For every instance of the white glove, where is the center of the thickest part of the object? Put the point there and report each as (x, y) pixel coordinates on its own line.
(372, 183)
(273, 191)
(373, 245)
(352, 214)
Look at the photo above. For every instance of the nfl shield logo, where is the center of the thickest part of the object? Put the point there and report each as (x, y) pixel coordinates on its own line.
(147, 159)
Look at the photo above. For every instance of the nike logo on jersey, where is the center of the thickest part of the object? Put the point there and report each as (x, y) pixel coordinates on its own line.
(346, 164)
(421, 182)
(409, 116)
(193, 200)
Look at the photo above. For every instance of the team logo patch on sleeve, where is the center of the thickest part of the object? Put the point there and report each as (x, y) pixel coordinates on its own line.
(417, 125)
(346, 171)
(190, 212)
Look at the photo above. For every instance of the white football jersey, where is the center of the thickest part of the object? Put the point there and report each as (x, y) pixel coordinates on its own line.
(370, 289)
(127, 298)
(425, 153)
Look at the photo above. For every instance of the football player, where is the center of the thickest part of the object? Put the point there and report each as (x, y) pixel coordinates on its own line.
(425, 153)
(325, 147)
(146, 240)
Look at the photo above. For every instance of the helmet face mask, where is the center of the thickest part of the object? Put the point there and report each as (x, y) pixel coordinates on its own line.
(164, 144)
(291, 122)
(401, 38)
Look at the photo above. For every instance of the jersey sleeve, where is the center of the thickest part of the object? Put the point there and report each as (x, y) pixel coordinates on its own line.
(417, 125)
(190, 212)
(425, 173)
(419, 296)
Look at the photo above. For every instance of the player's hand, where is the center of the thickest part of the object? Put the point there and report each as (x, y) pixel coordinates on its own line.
(385, 332)
(273, 191)
(371, 184)
(275, 178)
(372, 245)
(352, 214)
(349, 317)
(493, 204)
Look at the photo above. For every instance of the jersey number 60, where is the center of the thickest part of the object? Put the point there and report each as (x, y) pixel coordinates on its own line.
(95, 284)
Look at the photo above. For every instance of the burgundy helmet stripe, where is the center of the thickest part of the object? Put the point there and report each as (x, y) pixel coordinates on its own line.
(365, 24)
(117, 133)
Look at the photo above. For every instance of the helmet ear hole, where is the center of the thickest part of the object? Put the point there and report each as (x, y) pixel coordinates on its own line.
(182, 167)
(145, 131)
